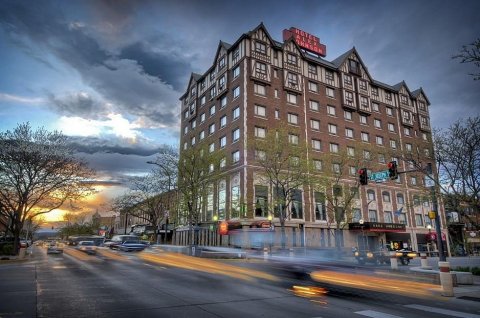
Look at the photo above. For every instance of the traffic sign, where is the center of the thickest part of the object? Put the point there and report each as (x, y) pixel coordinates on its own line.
(379, 176)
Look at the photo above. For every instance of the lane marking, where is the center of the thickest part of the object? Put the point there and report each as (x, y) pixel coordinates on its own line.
(375, 314)
(443, 311)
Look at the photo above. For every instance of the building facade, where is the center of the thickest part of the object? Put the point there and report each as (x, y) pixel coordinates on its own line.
(258, 83)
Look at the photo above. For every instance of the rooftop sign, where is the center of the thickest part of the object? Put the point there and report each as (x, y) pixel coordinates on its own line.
(306, 41)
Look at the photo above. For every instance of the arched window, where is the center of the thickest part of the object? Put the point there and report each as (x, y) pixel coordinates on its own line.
(371, 195)
(400, 199)
(386, 196)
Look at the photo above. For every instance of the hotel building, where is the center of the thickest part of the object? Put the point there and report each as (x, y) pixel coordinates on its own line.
(257, 83)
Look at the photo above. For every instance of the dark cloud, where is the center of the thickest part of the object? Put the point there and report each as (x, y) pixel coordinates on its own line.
(93, 145)
(78, 105)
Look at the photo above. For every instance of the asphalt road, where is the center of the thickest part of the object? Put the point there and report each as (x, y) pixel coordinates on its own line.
(158, 284)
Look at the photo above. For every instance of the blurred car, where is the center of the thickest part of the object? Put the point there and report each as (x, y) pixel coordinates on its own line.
(88, 247)
(54, 248)
(117, 240)
(129, 246)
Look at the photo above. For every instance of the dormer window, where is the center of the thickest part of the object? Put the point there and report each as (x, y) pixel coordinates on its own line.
(221, 63)
(354, 67)
(388, 96)
(260, 47)
(404, 99)
(421, 106)
(291, 59)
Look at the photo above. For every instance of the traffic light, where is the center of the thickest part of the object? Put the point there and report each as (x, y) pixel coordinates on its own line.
(392, 170)
(363, 177)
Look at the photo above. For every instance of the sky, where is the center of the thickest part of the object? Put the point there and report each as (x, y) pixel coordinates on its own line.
(109, 74)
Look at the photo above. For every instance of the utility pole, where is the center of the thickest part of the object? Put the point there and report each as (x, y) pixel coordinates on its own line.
(431, 178)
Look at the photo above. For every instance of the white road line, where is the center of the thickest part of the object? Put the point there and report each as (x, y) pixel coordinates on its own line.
(443, 311)
(375, 314)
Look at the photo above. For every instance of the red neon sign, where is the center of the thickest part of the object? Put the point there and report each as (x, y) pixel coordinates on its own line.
(306, 41)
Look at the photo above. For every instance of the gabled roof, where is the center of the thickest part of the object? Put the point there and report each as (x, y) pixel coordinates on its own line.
(339, 61)
(399, 86)
(383, 85)
(416, 93)
(193, 77)
(262, 26)
(223, 45)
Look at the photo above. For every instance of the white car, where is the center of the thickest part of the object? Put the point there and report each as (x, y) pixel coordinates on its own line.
(87, 247)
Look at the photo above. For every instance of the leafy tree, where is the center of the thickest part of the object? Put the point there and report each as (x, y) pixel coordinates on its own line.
(470, 54)
(38, 173)
(284, 166)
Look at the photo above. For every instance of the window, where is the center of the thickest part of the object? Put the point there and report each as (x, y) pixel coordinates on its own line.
(389, 111)
(366, 155)
(403, 99)
(393, 144)
(193, 140)
(406, 131)
(291, 98)
(223, 121)
(387, 217)
(261, 69)
(329, 75)
(352, 171)
(260, 47)
(223, 162)
(235, 156)
(408, 147)
(297, 208)
(375, 91)
(276, 93)
(347, 114)
(349, 132)
(333, 147)
(332, 129)
(372, 215)
(221, 83)
(275, 73)
(203, 100)
(185, 130)
(377, 123)
(236, 134)
(331, 110)
(356, 215)
(260, 110)
(418, 220)
(317, 164)
(202, 135)
(260, 132)
(364, 102)
(313, 87)
(365, 137)
(375, 107)
(349, 98)
(211, 128)
(236, 72)
(386, 196)
(416, 200)
(259, 89)
(223, 141)
(185, 146)
(421, 106)
(424, 136)
(350, 151)
(293, 118)
(330, 92)
(336, 167)
(211, 147)
(316, 144)
(379, 140)
(236, 92)
(362, 84)
(312, 69)
(291, 59)
(347, 80)
(314, 124)
(277, 114)
(400, 198)
(202, 117)
(261, 201)
(388, 96)
(402, 218)
(391, 127)
(353, 67)
(371, 195)
(413, 180)
(221, 62)
(381, 158)
(363, 120)
(293, 139)
(213, 92)
(320, 208)
(223, 101)
(212, 110)
(236, 113)
(314, 105)
(260, 154)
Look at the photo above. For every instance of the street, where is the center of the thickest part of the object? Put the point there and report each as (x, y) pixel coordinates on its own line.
(154, 283)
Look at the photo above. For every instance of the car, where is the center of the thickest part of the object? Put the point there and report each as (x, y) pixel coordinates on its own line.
(54, 249)
(88, 247)
(119, 239)
(129, 246)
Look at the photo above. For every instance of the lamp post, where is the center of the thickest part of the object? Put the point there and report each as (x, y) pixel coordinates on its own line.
(361, 221)
(215, 219)
(270, 218)
(429, 227)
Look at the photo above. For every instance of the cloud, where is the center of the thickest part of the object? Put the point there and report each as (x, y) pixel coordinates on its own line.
(79, 104)
(93, 145)
(21, 99)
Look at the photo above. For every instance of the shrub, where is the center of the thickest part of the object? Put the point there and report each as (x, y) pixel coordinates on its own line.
(474, 270)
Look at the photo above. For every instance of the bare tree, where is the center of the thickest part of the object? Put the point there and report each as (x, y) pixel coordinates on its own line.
(338, 181)
(284, 166)
(470, 54)
(38, 173)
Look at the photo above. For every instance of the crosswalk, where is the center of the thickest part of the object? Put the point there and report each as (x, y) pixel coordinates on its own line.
(433, 310)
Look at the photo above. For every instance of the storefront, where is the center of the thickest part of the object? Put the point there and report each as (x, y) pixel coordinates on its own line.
(375, 235)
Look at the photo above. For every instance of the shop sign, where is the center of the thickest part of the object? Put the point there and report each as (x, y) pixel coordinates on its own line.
(378, 227)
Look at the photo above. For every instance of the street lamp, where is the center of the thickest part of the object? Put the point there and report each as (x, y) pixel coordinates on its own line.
(215, 219)
(361, 222)
(270, 218)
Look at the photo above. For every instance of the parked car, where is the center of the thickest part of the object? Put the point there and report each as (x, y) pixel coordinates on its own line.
(88, 247)
(129, 246)
(119, 239)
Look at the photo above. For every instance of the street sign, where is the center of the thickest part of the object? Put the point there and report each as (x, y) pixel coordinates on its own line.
(379, 176)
